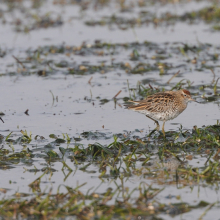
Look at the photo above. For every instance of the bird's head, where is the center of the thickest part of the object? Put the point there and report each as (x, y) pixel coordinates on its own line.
(185, 94)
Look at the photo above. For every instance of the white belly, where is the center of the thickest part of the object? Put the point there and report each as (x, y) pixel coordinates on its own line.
(162, 116)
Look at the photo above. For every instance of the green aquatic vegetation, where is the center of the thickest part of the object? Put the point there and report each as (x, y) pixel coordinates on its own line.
(163, 161)
(210, 14)
(129, 170)
(37, 21)
(52, 154)
(207, 14)
(142, 68)
(216, 27)
(115, 144)
(74, 203)
(215, 87)
(26, 138)
(142, 58)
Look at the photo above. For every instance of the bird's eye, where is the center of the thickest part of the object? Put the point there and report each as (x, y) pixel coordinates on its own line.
(185, 95)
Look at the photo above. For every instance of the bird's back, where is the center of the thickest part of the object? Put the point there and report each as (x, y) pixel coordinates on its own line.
(161, 106)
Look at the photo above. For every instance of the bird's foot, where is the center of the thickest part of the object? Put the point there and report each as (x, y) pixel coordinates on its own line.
(149, 135)
(155, 129)
(164, 135)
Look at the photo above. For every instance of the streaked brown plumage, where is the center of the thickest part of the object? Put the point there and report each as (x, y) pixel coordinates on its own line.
(163, 106)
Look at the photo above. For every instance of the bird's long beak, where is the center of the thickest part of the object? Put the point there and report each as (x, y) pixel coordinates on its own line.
(194, 100)
(191, 99)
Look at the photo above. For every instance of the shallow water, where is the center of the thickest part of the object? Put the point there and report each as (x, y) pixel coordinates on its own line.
(73, 114)
(60, 103)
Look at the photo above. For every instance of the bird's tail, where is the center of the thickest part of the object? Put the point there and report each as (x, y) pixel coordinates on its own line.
(129, 105)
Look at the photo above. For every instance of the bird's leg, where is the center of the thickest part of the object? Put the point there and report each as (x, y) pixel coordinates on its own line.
(163, 129)
(155, 129)
(156, 122)
(1, 119)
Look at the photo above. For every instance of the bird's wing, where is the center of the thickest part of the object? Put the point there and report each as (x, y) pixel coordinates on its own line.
(159, 102)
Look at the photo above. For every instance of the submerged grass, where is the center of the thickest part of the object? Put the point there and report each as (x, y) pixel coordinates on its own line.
(210, 14)
(141, 58)
(85, 206)
(152, 162)
(29, 17)
(158, 159)
(185, 159)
